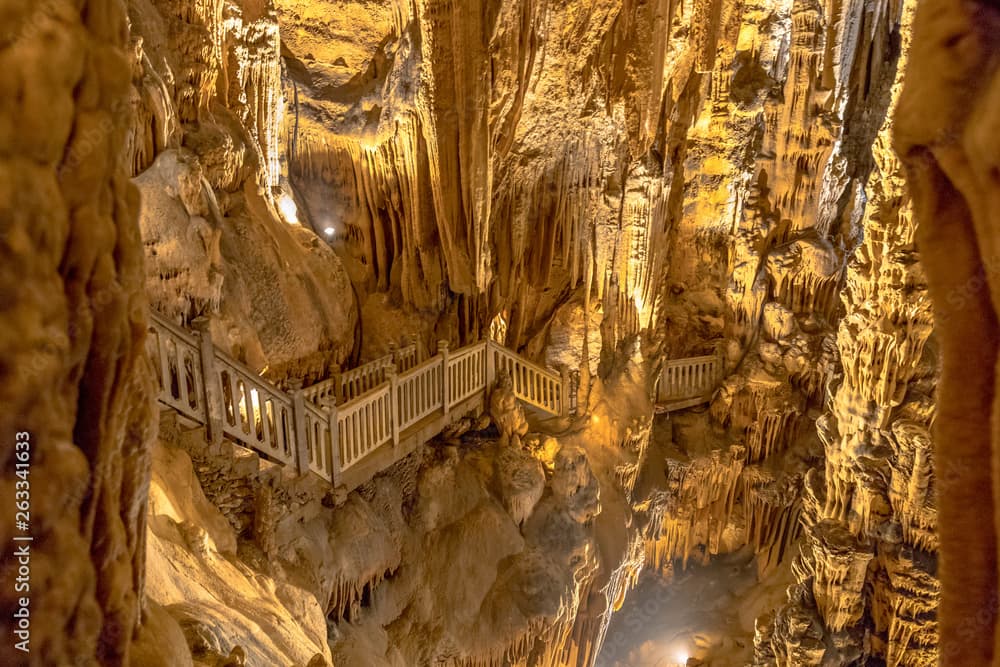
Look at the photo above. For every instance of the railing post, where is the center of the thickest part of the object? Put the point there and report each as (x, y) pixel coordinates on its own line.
(338, 388)
(394, 352)
(564, 392)
(491, 366)
(393, 379)
(415, 342)
(443, 351)
(299, 424)
(334, 457)
(211, 389)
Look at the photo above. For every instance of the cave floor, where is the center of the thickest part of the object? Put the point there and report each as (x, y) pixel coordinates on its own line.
(706, 612)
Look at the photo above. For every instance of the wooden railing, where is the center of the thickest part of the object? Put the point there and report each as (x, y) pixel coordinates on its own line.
(692, 379)
(353, 383)
(311, 428)
(534, 385)
(407, 356)
(419, 392)
(364, 425)
(177, 363)
(254, 412)
(467, 373)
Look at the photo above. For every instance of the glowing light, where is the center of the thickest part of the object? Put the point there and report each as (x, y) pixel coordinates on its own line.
(681, 656)
(329, 231)
(595, 419)
(289, 211)
(640, 303)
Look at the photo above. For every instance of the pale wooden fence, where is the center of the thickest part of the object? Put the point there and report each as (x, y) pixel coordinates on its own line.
(355, 382)
(687, 382)
(335, 425)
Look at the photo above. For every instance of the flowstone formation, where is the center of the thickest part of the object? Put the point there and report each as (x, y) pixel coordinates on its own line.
(203, 145)
(474, 550)
(751, 470)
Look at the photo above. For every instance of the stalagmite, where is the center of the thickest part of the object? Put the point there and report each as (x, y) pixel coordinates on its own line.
(839, 563)
(872, 541)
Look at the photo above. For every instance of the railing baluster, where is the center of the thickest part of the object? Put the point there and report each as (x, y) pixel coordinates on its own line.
(302, 453)
(335, 457)
(564, 390)
(366, 426)
(359, 434)
(445, 388)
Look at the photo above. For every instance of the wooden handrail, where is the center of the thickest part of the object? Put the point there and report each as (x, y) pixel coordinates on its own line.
(533, 384)
(304, 429)
(684, 381)
(351, 384)
(364, 425)
(420, 392)
(545, 370)
(687, 361)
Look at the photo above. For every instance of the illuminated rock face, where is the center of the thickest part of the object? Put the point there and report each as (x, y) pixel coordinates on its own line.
(219, 237)
(477, 160)
(869, 560)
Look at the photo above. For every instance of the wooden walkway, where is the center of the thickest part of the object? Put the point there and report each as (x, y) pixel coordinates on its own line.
(359, 422)
(348, 428)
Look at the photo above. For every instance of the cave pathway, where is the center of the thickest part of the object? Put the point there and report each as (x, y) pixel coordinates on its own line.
(352, 426)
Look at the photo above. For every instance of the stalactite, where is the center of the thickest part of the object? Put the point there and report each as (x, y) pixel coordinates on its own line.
(196, 32)
(347, 596)
(904, 605)
(514, 652)
(911, 490)
(772, 507)
(154, 125)
(805, 276)
(636, 441)
(589, 627)
(384, 210)
(252, 49)
(772, 432)
(699, 505)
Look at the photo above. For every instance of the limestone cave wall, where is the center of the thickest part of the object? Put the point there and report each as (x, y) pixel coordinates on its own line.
(868, 568)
